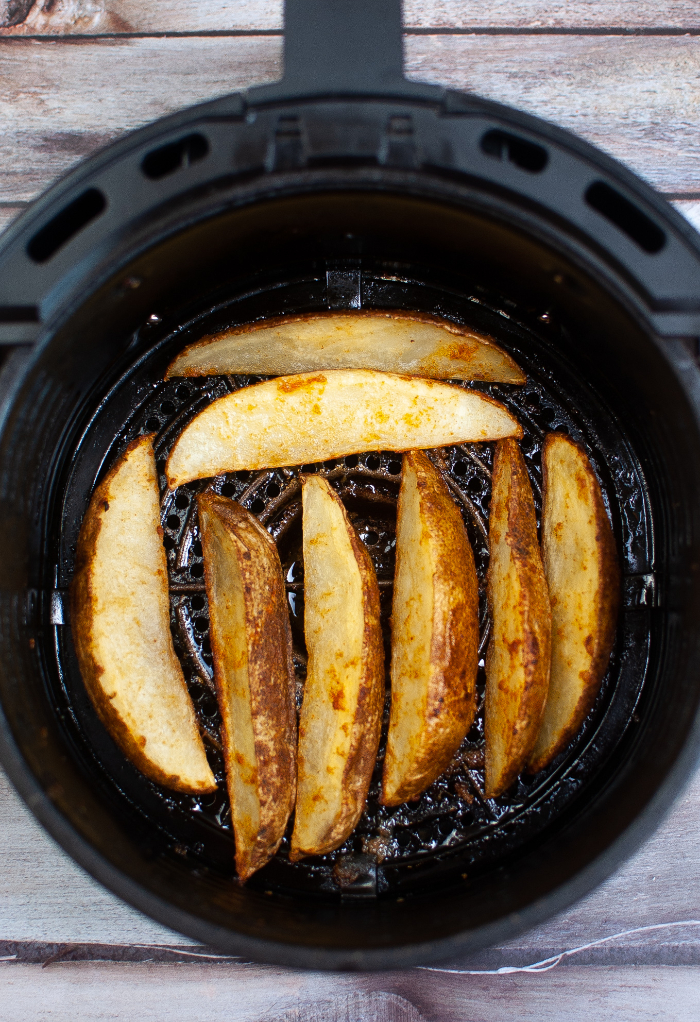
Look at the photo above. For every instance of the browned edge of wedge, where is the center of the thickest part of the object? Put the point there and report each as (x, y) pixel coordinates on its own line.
(270, 674)
(599, 645)
(457, 329)
(450, 681)
(367, 722)
(516, 715)
(81, 600)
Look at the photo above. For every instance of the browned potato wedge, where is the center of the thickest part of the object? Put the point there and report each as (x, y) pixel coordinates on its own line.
(435, 634)
(120, 614)
(251, 644)
(294, 420)
(583, 574)
(518, 658)
(344, 695)
(392, 342)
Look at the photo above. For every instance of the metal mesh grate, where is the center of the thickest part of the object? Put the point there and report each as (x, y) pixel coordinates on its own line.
(400, 848)
(454, 809)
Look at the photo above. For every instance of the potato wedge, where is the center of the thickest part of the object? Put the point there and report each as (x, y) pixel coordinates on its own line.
(294, 420)
(518, 658)
(394, 342)
(344, 695)
(120, 615)
(251, 643)
(435, 634)
(583, 574)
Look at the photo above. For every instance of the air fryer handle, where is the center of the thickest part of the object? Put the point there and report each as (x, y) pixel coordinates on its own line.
(342, 47)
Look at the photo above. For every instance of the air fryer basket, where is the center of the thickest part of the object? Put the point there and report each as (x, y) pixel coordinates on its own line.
(301, 198)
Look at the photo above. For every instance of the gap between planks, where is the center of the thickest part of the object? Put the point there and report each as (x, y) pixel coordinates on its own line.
(92, 17)
(474, 30)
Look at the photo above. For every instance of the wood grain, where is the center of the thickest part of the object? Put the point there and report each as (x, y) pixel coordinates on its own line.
(62, 99)
(550, 14)
(92, 17)
(62, 17)
(199, 993)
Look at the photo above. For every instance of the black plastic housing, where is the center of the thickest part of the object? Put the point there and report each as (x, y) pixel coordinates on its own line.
(332, 179)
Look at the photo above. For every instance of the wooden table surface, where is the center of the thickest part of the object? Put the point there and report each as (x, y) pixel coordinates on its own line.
(75, 74)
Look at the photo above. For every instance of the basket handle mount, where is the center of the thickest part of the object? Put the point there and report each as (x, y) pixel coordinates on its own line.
(342, 48)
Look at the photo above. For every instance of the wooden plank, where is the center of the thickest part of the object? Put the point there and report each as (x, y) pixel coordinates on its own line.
(90, 17)
(62, 100)
(200, 993)
(8, 213)
(690, 208)
(551, 14)
(61, 17)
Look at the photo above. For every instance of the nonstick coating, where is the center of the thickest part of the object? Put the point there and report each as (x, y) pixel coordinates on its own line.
(454, 874)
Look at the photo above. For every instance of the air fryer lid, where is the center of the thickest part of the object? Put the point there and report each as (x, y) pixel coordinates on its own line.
(321, 192)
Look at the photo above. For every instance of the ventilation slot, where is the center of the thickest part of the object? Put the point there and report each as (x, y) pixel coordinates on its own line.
(66, 224)
(625, 215)
(19, 314)
(501, 145)
(175, 156)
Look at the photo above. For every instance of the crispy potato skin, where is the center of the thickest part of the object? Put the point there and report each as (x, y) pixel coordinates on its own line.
(99, 666)
(292, 420)
(254, 675)
(519, 654)
(341, 714)
(435, 634)
(390, 341)
(583, 573)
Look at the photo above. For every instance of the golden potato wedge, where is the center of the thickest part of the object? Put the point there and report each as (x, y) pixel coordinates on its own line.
(519, 653)
(344, 695)
(251, 645)
(294, 420)
(394, 342)
(583, 574)
(435, 634)
(120, 615)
